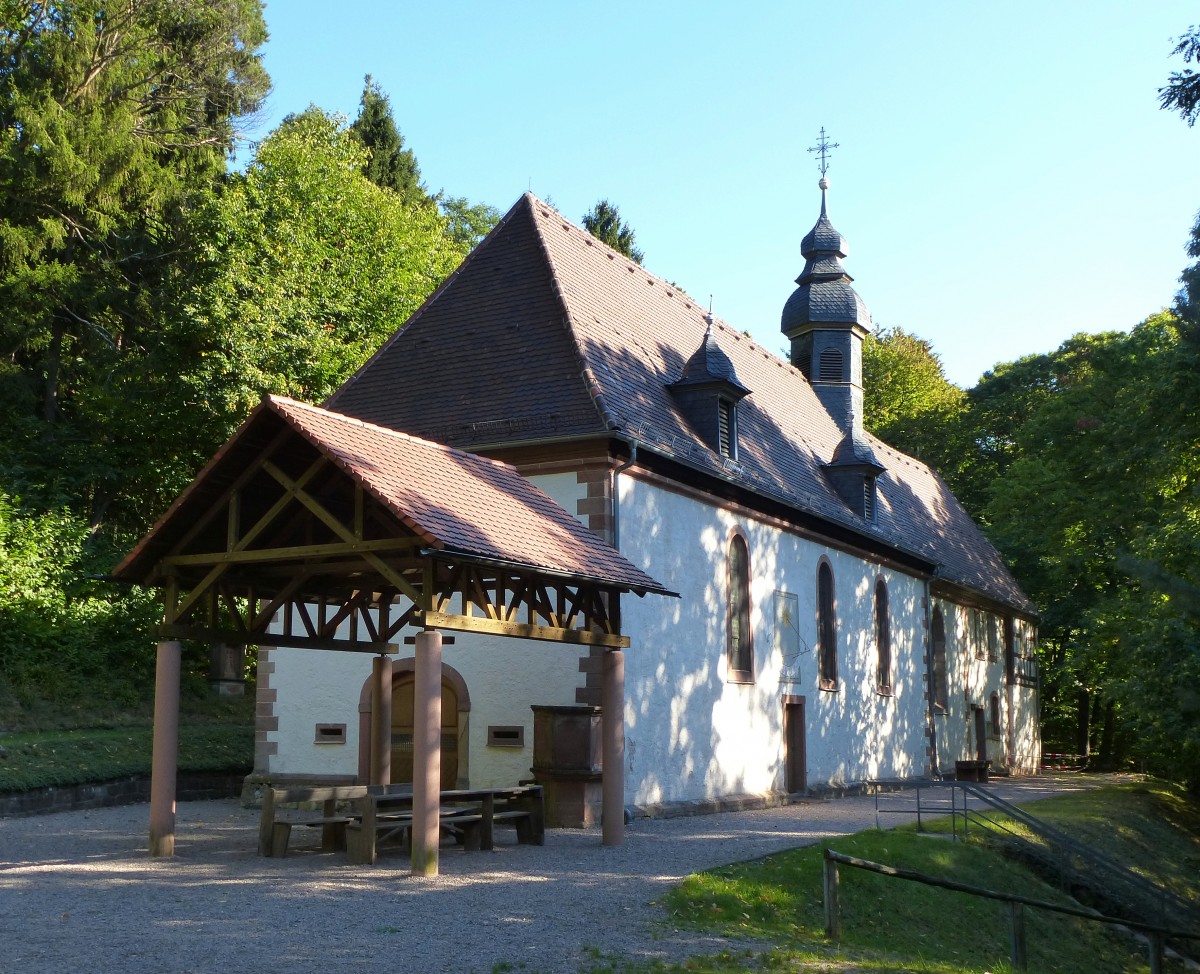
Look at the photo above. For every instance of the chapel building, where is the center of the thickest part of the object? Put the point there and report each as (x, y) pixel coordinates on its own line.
(840, 616)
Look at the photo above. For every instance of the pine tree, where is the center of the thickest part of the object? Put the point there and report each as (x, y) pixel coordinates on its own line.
(389, 164)
(604, 223)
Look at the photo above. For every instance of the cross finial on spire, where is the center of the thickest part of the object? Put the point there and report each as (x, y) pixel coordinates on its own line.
(822, 147)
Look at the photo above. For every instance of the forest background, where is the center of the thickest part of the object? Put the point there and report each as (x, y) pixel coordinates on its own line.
(150, 295)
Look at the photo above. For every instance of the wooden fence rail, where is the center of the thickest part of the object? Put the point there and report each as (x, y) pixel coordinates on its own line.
(833, 920)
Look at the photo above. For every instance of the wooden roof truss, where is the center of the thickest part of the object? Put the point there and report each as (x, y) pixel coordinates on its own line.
(297, 552)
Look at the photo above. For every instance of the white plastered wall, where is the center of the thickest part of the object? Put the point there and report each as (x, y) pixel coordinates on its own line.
(691, 733)
(975, 670)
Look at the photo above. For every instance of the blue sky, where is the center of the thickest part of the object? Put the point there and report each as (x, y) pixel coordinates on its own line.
(1005, 177)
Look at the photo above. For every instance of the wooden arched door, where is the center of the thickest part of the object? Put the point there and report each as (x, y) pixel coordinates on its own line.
(402, 731)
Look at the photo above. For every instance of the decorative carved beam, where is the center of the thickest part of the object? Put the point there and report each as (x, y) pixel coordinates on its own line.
(269, 639)
(294, 553)
(495, 627)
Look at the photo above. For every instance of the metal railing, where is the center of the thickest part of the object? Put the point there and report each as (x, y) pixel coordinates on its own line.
(1156, 935)
(1074, 865)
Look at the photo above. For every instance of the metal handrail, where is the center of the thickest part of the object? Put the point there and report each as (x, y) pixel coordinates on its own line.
(1156, 934)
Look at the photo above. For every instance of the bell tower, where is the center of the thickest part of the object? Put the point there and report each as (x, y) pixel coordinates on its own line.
(826, 322)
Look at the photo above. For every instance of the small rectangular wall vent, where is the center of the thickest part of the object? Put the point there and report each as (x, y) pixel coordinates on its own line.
(506, 736)
(330, 734)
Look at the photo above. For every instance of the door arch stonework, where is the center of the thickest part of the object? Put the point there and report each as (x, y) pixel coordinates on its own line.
(403, 671)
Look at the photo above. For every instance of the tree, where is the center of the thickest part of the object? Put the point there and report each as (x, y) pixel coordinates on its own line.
(603, 222)
(1182, 91)
(467, 223)
(115, 121)
(388, 163)
(909, 402)
(309, 267)
(1096, 505)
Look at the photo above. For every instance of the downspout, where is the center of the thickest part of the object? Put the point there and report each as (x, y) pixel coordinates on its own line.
(929, 682)
(616, 498)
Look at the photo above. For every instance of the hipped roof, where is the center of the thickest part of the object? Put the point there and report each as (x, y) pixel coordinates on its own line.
(545, 333)
(456, 503)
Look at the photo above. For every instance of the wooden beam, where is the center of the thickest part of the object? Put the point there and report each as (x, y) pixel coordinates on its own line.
(496, 627)
(243, 478)
(292, 553)
(272, 639)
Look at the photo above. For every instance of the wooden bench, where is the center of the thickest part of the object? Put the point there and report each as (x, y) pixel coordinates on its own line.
(275, 823)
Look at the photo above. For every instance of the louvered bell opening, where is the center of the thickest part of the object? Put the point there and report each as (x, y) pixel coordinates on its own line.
(725, 424)
(869, 498)
(802, 355)
(831, 365)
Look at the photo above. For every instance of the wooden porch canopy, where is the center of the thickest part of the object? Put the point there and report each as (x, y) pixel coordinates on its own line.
(309, 529)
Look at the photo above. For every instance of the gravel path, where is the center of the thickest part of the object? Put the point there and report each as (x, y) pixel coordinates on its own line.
(79, 893)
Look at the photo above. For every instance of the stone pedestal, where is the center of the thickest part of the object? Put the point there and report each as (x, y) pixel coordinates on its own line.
(567, 763)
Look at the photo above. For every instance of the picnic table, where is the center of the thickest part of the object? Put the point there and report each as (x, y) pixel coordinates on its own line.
(468, 814)
(360, 818)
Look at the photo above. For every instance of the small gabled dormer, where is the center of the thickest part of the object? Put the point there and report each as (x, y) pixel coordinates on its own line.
(853, 472)
(708, 393)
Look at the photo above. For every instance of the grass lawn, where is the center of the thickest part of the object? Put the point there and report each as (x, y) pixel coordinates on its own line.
(772, 911)
(214, 735)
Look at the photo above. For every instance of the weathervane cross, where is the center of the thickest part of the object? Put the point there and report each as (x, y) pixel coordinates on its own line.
(823, 146)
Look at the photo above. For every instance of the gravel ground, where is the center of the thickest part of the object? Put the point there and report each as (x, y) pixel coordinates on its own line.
(79, 893)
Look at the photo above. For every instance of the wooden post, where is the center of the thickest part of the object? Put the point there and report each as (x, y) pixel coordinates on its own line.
(612, 730)
(381, 720)
(165, 760)
(833, 906)
(1156, 952)
(427, 753)
(1020, 960)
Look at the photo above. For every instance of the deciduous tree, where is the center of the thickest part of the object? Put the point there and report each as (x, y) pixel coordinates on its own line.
(909, 402)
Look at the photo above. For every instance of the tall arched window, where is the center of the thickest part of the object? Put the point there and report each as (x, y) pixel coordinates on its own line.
(995, 715)
(883, 638)
(739, 647)
(826, 628)
(938, 688)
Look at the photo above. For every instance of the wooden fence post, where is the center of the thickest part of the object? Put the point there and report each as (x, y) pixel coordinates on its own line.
(1020, 961)
(1156, 952)
(833, 911)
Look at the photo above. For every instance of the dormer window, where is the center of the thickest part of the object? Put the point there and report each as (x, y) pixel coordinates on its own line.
(708, 393)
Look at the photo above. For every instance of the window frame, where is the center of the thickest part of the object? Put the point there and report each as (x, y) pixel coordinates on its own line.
(939, 676)
(738, 612)
(827, 655)
(883, 638)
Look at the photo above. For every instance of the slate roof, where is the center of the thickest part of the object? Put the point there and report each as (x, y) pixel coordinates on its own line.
(709, 365)
(544, 332)
(453, 501)
(824, 295)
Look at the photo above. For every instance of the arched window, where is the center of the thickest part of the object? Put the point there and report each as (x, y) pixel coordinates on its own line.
(826, 628)
(739, 646)
(995, 715)
(938, 688)
(1010, 655)
(883, 638)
